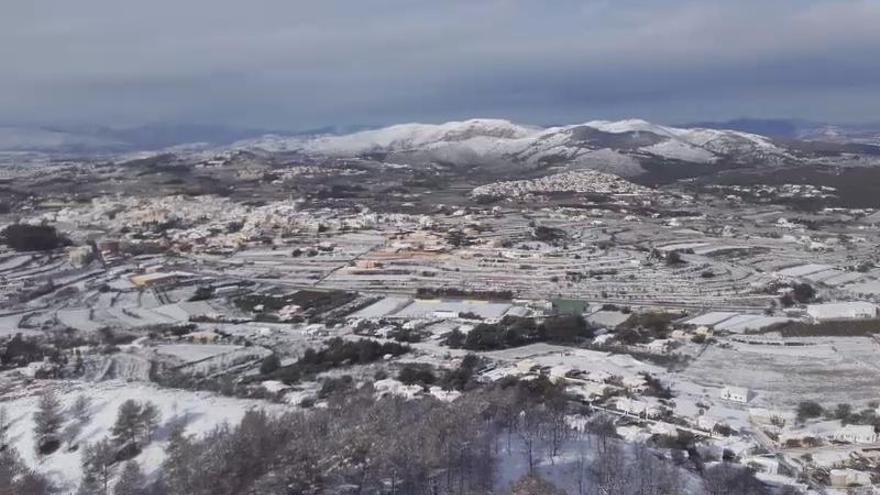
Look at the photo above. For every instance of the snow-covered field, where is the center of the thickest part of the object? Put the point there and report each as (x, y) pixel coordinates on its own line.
(827, 370)
(201, 412)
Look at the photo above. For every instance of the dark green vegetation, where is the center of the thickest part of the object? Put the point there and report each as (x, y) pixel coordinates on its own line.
(336, 353)
(460, 378)
(641, 328)
(854, 328)
(513, 331)
(24, 237)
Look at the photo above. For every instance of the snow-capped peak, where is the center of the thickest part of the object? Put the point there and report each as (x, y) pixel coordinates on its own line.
(614, 146)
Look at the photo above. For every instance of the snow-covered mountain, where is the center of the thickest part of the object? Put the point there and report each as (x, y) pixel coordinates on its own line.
(621, 147)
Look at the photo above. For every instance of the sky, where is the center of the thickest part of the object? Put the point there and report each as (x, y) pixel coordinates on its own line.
(292, 64)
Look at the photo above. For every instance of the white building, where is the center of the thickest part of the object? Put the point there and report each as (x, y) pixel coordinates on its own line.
(735, 394)
(855, 310)
(843, 478)
(856, 434)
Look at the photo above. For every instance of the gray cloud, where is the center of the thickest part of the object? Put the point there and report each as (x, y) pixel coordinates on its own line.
(297, 64)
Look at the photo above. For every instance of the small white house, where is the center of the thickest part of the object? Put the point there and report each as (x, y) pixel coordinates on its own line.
(735, 394)
(854, 310)
(856, 434)
(844, 478)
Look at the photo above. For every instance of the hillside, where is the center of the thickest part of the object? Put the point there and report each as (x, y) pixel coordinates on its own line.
(620, 147)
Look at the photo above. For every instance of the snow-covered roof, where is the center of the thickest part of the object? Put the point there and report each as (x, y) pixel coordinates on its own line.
(842, 310)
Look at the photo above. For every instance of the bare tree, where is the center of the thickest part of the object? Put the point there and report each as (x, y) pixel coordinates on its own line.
(530, 429)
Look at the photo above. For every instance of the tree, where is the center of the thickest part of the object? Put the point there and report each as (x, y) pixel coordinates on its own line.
(673, 258)
(47, 422)
(149, 419)
(128, 426)
(81, 410)
(131, 480)
(98, 465)
(270, 364)
(807, 410)
(728, 479)
(455, 339)
(531, 428)
(843, 412)
(17, 479)
(24, 237)
(177, 468)
(804, 293)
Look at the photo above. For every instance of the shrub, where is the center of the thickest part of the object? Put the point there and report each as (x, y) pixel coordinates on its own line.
(23, 237)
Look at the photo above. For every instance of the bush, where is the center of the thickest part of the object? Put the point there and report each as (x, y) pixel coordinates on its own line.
(23, 237)
(413, 374)
(808, 410)
(270, 364)
(332, 386)
(338, 352)
(803, 293)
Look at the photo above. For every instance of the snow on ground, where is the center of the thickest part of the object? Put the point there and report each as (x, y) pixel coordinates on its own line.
(9, 326)
(382, 307)
(195, 352)
(827, 370)
(679, 150)
(804, 270)
(423, 308)
(607, 319)
(201, 411)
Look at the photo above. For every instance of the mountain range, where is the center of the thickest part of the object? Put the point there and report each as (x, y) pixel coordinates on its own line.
(629, 147)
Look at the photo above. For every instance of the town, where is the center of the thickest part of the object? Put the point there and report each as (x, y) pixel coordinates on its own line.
(715, 326)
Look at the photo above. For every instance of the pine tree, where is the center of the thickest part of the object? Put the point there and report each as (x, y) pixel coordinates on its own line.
(177, 466)
(149, 420)
(128, 426)
(131, 481)
(47, 419)
(11, 467)
(98, 466)
(81, 409)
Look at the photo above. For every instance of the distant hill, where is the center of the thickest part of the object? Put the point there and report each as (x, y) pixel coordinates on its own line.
(623, 147)
(801, 129)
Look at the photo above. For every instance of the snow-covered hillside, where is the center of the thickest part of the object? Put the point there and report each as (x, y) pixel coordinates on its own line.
(201, 412)
(620, 147)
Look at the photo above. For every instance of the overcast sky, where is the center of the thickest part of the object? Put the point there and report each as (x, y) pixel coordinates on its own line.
(292, 64)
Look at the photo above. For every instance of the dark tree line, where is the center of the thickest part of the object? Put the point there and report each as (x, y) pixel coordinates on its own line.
(24, 237)
(514, 331)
